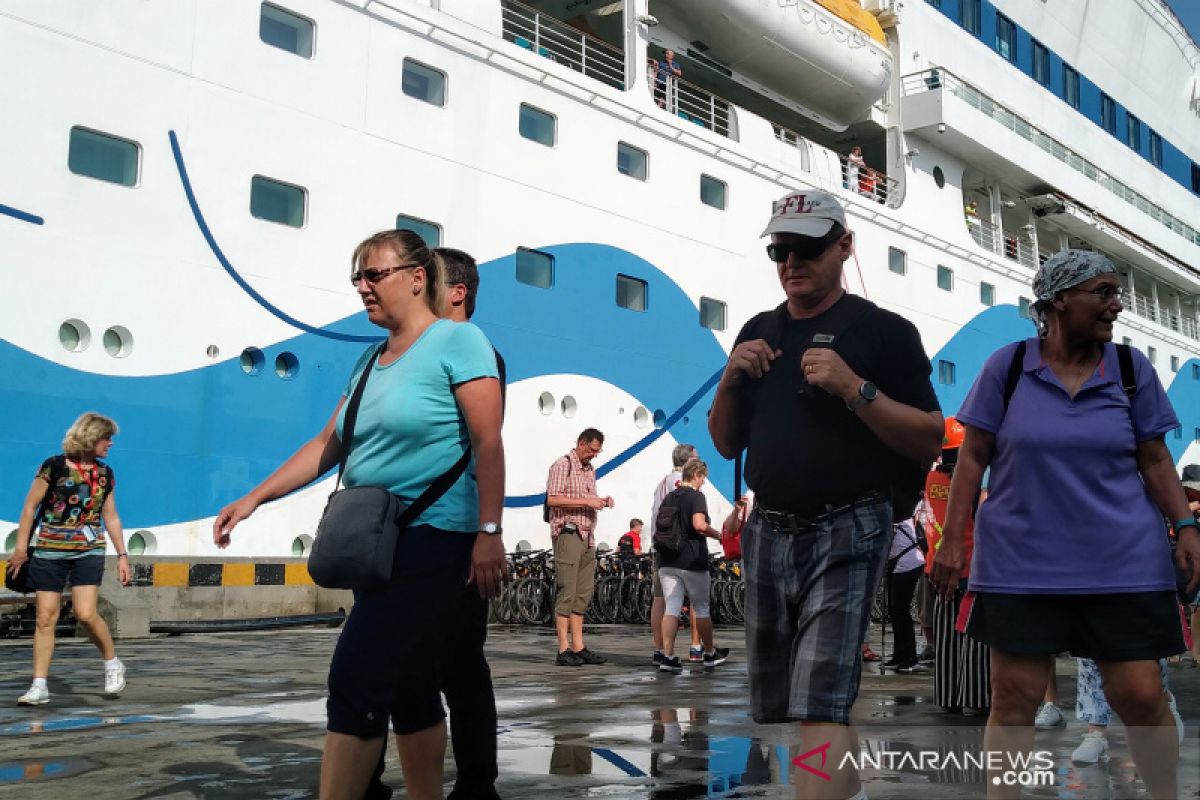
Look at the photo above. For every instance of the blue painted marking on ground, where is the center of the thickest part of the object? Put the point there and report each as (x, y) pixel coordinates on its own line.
(24, 216)
(619, 762)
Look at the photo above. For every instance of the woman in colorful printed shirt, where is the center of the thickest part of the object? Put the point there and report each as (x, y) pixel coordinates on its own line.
(1072, 533)
(72, 506)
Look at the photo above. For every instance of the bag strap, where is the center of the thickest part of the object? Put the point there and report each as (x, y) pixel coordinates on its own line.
(1128, 378)
(439, 487)
(1015, 368)
(352, 414)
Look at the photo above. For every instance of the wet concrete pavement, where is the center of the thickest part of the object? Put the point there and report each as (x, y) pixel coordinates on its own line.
(241, 716)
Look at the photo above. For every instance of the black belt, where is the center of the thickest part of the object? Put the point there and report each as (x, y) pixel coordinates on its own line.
(797, 521)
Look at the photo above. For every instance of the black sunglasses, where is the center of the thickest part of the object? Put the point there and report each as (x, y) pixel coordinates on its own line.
(374, 276)
(804, 249)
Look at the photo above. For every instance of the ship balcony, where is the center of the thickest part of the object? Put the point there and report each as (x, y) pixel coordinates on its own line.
(945, 109)
(553, 39)
(692, 103)
(1012, 245)
(869, 183)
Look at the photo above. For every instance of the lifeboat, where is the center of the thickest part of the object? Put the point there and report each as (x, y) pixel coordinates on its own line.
(827, 59)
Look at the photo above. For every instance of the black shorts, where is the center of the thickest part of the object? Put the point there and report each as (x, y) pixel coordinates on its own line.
(53, 574)
(389, 659)
(1132, 626)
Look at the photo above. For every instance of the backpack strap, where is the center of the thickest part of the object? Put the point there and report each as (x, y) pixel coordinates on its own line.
(1128, 378)
(1015, 368)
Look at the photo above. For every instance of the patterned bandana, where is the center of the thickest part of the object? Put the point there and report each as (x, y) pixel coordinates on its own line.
(1062, 271)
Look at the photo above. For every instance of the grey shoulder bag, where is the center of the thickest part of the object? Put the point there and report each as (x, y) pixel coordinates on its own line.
(356, 539)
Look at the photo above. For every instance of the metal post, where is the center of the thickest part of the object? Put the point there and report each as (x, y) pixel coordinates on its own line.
(583, 54)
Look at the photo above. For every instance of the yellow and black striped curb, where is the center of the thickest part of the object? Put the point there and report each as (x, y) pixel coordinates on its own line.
(195, 574)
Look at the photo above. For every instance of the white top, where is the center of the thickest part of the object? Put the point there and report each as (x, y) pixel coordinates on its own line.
(665, 487)
(904, 536)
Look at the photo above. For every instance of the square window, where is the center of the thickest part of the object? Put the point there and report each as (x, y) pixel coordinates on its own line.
(1196, 372)
(423, 82)
(1024, 306)
(535, 268)
(631, 161)
(538, 126)
(103, 157)
(935, 3)
(1070, 86)
(431, 232)
(897, 261)
(1174, 363)
(1006, 38)
(276, 201)
(1108, 114)
(1195, 177)
(1196, 436)
(945, 278)
(1041, 64)
(631, 293)
(971, 16)
(1156, 150)
(1125, 340)
(712, 191)
(712, 314)
(1133, 132)
(946, 373)
(281, 28)
(1152, 355)
(987, 294)
(1178, 431)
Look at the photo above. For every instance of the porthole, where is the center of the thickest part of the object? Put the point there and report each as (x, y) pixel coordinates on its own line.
(641, 417)
(213, 351)
(74, 336)
(252, 361)
(301, 546)
(569, 406)
(939, 177)
(142, 543)
(546, 404)
(118, 342)
(287, 365)
(687, 420)
(660, 418)
(10, 541)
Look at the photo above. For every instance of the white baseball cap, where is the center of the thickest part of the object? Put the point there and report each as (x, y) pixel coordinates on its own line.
(808, 213)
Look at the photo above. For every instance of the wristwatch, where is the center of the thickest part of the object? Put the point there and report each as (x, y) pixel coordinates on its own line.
(490, 528)
(866, 394)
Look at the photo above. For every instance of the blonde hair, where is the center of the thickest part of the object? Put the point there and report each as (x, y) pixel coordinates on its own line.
(694, 469)
(86, 432)
(412, 251)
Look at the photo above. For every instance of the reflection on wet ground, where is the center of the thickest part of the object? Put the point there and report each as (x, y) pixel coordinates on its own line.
(241, 716)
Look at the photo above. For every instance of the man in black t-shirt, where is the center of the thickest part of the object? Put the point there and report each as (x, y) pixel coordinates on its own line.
(828, 392)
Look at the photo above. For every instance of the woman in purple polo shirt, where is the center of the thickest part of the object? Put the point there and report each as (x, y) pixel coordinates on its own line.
(1071, 550)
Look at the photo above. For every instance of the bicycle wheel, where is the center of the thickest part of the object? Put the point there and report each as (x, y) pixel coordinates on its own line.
(528, 602)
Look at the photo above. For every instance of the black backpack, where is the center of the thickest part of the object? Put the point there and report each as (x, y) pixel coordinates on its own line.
(546, 502)
(1017, 366)
(669, 528)
(907, 475)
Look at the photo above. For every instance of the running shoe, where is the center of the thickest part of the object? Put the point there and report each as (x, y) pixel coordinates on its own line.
(671, 664)
(586, 656)
(567, 658)
(719, 655)
(696, 653)
(1092, 750)
(114, 679)
(1049, 716)
(658, 657)
(36, 696)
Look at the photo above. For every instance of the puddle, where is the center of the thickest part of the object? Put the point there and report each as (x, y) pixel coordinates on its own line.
(58, 724)
(25, 771)
(307, 711)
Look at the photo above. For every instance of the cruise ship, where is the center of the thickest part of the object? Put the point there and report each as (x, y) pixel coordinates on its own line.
(182, 184)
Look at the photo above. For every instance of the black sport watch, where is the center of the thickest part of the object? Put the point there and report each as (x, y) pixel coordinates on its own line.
(866, 394)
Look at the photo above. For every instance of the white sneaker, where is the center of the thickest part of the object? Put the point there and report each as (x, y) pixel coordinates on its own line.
(1048, 716)
(36, 696)
(1092, 750)
(114, 679)
(1178, 719)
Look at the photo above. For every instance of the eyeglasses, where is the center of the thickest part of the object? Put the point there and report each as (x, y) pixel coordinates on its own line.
(374, 276)
(1105, 293)
(802, 249)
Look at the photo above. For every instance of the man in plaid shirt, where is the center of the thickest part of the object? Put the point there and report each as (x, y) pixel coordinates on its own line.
(573, 503)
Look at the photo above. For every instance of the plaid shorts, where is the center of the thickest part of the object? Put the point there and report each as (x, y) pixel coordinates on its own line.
(808, 601)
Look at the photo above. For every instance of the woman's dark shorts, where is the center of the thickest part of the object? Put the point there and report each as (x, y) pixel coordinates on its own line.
(1132, 626)
(53, 574)
(389, 656)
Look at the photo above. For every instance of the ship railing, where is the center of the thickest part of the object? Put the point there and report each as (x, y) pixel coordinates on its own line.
(691, 102)
(553, 39)
(1191, 328)
(868, 182)
(1013, 246)
(1144, 307)
(939, 79)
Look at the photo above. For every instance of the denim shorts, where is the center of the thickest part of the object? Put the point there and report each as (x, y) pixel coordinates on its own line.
(808, 601)
(53, 574)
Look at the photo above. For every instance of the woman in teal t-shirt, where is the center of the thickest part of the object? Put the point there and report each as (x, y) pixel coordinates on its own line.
(433, 392)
